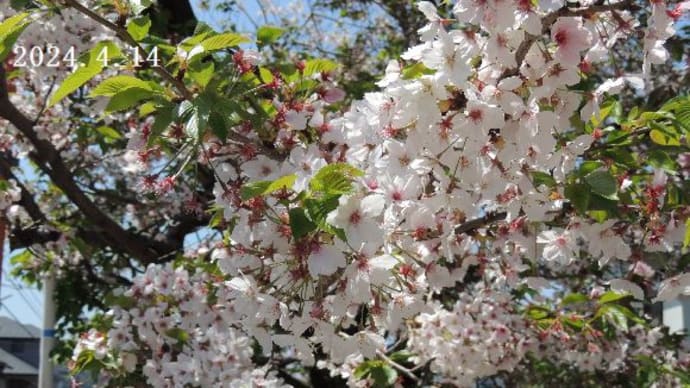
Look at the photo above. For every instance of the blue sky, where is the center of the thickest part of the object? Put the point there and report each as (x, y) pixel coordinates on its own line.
(25, 303)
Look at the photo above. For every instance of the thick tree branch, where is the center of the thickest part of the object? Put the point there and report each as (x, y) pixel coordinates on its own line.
(26, 200)
(49, 161)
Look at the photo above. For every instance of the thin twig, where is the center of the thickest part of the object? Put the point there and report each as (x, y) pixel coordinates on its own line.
(44, 103)
(122, 33)
(551, 18)
(397, 366)
(477, 223)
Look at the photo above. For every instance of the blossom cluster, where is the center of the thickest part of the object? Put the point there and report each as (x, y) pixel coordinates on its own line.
(212, 352)
(424, 188)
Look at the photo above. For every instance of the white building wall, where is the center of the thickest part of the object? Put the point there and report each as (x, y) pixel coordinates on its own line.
(676, 314)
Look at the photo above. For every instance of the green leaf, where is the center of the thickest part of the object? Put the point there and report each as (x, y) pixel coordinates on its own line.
(147, 108)
(676, 103)
(218, 125)
(201, 72)
(362, 370)
(660, 159)
(318, 209)
(223, 41)
(217, 218)
(163, 119)
(415, 70)
(335, 178)
(202, 28)
(22, 258)
(630, 315)
(663, 138)
(680, 107)
(127, 99)
(139, 27)
(19, 4)
(338, 232)
(574, 321)
(579, 196)
(609, 106)
(300, 225)
(538, 313)
(109, 132)
(648, 117)
(314, 66)
(597, 202)
(574, 298)
(401, 356)
(598, 215)
(89, 67)
(284, 182)
(73, 82)
(266, 75)
(686, 238)
(178, 334)
(589, 166)
(254, 189)
(195, 114)
(119, 83)
(10, 30)
(612, 296)
(542, 178)
(268, 34)
(120, 300)
(613, 314)
(195, 124)
(138, 6)
(621, 156)
(10, 24)
(383, 376)
(380, 372)
(603, 183)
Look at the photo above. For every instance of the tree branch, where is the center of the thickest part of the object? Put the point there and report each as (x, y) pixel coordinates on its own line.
(26, 200)
(551, 18)
(477, 223)
(122, 33)
(397, 366)
(49, 161)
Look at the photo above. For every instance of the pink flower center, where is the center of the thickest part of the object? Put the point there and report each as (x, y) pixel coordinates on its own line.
(525, 5)
(561, 37)
(355, 217)
(476, 115)
(561, 241)
(420, 233)
(502, 40)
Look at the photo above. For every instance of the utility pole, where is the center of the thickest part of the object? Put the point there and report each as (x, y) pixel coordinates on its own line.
(45, 376)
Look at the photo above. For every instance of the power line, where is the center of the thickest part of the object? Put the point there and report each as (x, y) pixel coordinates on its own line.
(17, 320)
(35, 298)
(11, 286)
(19, 289)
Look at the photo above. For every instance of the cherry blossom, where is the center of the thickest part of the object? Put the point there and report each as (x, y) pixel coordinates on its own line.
(436, 213)
(571, 38)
